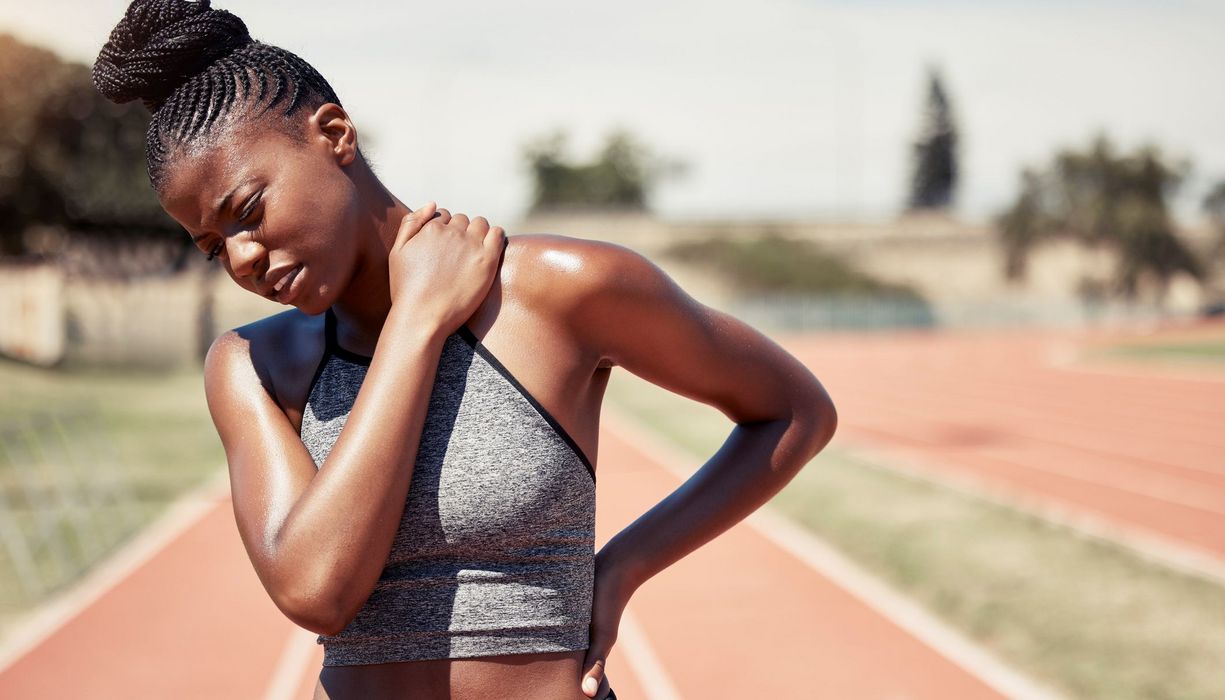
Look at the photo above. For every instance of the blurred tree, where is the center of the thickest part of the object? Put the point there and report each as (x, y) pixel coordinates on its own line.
(1101, 198)
(621, 177)
(70, 158)
(934, 176)
(777, 263)
(1214, 205)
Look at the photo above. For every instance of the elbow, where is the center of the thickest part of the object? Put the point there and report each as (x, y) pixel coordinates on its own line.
(312, 610)
(817, 418)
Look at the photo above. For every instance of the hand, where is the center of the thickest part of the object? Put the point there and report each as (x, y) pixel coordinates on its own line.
(442, 266)
(610, 596)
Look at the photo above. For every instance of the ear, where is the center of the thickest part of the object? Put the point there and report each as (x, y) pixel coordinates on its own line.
(331, 123)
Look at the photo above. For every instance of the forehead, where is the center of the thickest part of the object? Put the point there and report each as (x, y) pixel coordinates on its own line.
(199, 175)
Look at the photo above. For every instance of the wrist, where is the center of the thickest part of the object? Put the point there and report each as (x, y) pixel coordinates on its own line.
(616, 567)
(407, 319)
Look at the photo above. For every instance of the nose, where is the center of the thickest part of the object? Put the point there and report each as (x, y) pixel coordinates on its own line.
(246, 256)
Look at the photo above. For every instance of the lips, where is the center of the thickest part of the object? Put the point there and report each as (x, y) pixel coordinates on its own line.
(284, 289)
(284, 283)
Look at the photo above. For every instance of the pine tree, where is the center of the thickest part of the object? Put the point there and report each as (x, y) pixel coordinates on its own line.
(935, 151)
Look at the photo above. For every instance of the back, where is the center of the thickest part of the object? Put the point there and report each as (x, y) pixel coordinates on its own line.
(495, 553)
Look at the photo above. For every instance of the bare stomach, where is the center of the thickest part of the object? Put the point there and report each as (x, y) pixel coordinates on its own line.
(551, 676)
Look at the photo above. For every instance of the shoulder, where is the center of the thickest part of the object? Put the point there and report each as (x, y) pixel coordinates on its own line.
(607, 295)
(271, 354)
(623, 308)
(565, 274)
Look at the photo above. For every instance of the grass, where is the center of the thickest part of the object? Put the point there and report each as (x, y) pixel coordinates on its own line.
(1209, 351)
(67, 435)
(1080, 615)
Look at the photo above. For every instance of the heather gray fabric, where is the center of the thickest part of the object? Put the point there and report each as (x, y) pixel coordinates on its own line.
(496, 548)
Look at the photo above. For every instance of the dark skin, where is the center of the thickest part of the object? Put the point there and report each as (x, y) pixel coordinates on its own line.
(559, 312)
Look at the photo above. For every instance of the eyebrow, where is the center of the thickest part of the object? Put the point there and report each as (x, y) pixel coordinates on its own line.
(222, 205)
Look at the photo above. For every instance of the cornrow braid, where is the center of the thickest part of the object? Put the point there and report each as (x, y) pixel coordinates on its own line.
(191, 65)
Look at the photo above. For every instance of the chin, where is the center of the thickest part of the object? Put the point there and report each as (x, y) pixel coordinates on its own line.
(312, 307)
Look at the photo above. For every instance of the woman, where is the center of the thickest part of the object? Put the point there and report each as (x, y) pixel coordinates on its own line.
(411, 446)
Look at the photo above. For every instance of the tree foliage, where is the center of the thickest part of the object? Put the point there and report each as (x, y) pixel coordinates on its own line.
(1102, 198)
(622, 176)
(1214, 205)
(934, 176)
(68, 156)
(776, 263)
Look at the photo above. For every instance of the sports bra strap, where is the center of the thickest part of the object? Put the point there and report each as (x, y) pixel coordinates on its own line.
(329, 331)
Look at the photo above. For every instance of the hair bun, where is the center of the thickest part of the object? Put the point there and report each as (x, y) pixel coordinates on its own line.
(160, 44)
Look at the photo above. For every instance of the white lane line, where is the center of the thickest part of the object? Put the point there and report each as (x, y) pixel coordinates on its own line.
(632, 641)
(296, 657)
(827, 562)
(49, 617)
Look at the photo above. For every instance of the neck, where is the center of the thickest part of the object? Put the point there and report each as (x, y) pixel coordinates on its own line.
(366, 301)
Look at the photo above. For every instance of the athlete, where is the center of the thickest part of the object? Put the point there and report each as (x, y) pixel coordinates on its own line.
(412, 444)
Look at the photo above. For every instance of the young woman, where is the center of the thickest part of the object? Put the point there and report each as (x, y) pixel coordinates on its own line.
(411, 446)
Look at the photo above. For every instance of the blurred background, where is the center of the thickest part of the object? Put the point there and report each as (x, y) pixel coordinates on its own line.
(995, 231)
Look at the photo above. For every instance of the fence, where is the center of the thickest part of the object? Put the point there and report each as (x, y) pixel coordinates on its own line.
(822, 313)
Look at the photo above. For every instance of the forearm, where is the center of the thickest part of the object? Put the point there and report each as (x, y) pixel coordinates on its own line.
(752, 465)
(341, 528)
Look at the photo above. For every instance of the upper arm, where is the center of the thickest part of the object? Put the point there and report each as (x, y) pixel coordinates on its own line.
(268, 464)
(639, 318)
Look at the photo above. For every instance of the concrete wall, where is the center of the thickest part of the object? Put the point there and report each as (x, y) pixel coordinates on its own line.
(32, 313)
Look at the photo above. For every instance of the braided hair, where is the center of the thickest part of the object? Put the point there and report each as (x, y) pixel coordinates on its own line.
(191, 65)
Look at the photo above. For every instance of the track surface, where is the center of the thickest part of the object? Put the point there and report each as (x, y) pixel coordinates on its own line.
(1133, 443)
(739, 618)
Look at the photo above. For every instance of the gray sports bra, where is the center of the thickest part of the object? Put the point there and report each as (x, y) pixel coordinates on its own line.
(496, 548)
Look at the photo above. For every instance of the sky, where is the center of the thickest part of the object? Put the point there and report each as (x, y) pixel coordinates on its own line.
(780, 108)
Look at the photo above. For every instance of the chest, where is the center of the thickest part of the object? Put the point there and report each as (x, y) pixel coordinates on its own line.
(492, 465)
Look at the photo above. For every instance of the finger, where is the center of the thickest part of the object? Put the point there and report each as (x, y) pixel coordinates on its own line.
(604, 690)
(480, 224)
(594, 678)
(496, 236)
(413, 222)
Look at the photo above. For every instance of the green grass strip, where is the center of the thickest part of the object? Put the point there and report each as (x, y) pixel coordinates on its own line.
(148, 431)
(1212, 351)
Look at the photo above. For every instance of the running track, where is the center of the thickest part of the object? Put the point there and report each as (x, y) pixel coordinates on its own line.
(743, 617)
(1127, 448)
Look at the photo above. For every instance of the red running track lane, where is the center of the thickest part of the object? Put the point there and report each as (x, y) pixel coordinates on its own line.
(1127, 442)
(739, 618)
(742, 618)
(192, 622)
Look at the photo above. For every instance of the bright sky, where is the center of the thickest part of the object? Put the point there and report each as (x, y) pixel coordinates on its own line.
(782, 108)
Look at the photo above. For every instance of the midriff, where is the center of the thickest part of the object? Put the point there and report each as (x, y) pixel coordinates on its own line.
(549, 676)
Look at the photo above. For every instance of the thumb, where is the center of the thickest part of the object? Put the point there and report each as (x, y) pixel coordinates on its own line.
(594, 676)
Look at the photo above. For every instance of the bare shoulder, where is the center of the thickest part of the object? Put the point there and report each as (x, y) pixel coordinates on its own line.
(626, 310)
(271, 353)
(562, 272)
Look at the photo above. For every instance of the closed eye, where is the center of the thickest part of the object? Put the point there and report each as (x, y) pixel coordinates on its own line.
(250, 208)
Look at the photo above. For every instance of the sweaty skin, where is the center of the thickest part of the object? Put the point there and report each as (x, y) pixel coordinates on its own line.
(559, 312)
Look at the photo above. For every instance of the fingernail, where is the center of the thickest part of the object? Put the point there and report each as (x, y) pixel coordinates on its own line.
(590, 685)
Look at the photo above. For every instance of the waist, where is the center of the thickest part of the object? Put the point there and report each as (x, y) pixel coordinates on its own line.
(443, 610)
(548, 675)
